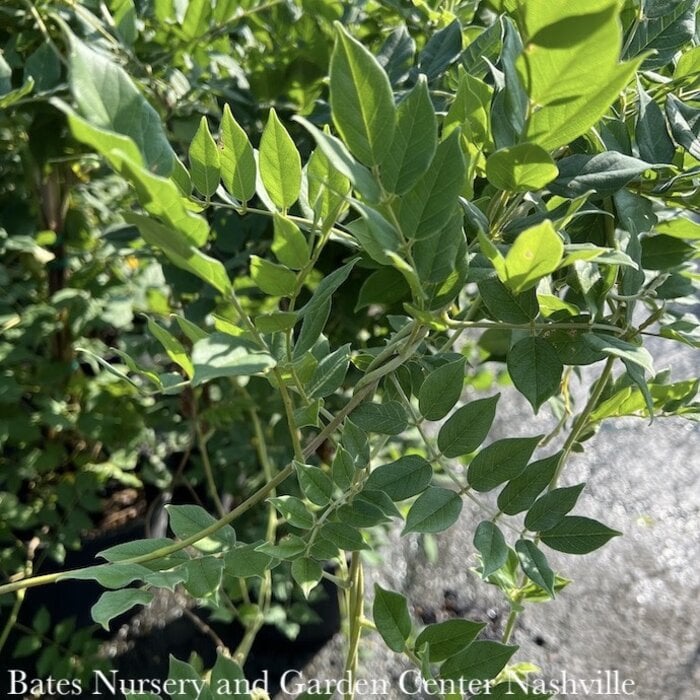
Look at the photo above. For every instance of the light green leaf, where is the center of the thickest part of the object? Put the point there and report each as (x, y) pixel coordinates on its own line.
(500, 461)
(307, 574)
(106, 95)
(361, 99)
(180, 251)
(343, 468)
(385, 418)
(535, 368)
(227, 674)
(238, 169)
(489, 541)
(564, 47)
(271, 278)
(328, 188)
(390, 613)
(293, 511)
(196, 18)
(280, 163)
(414, 143)
(113, 603)
(223, 355)
(187, 520)
(356, 442)
(448, 638)
(574, 534)
(406, 477)
(173, 347)
(289, 243)
(471, 106)
(185, 675)
(520, 493)
(479, 661)
(428, 206)
(434, 510)
(441, 390)
(374, 234)
(191, 330)
(521, 168)
(548, 510)
(315, 483)
(535, 565)
(467, 427)
(205, 162)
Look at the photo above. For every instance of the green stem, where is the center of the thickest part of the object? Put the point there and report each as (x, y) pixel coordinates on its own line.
(536, 326)
(206, 463)
(355, 616)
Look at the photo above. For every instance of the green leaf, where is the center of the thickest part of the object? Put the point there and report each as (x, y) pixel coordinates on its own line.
(191, 330)
(503, 305)
(414, 143)
(307, 574)
(520, 493)
(342, 536)
(535, 565)
(428, 206)
(184, 674)
(684, 121)
(110, 575)
(651, 132)
(289, 547)
(113, 603)
(228, 675)
(434, 510)
(442, 49)
(610, 345)
(245, 562)
(196, 18)
(276, 321)
(181, 252)
(361, 99)
(574, 534)
(513, 690)
(604, 173)
(203, 576)
(521, 168)
(479, 661)
(665, 26)
(489, 541)
(385, 286)
(315, 484)
(536, 253)
(280, 164)
(448, 638)
(360, 513)
(343, 468)
(238, 167)
(500, 461)
(356, 442)
(467, 427)
(273, 279)
(328, 188)
(548, 510)
(173, 347)
(390, 613)
(293, 511)
(187, 520)
(106, 95)
(443, 255)
(223, 355)
(565, 46)
(535, 368)
(385, 418)
(406, 477)
(289, 243)
(329, 373)
(441, 390)
(470, 110)
(138, 548)
(205, 162)
(662, 252)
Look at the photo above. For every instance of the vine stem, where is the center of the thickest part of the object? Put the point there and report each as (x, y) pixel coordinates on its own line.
(355, 615)
(537, 326)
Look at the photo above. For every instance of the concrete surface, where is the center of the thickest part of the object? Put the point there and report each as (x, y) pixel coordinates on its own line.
(634, 605)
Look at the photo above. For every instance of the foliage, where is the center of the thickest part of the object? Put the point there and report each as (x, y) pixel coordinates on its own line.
(347, 226)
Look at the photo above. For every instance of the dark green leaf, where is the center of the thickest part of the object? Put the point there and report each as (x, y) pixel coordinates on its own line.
(479, 661)
(535, 368)
(500, 461)
(441, 50)
(187, 520)
(520, 493)
(390, 613)
(406, 477)
(203, 576)
(342, 536)
(574, 534)
(489, 541)
(503, 305)
(548, 510)
(535, 565)
(434, 510)
(467, 427)
(307, 573)
(662, 252)
(244, 562)
(685, 124)
(293, 511)
(222, 355)
(227, 674)
(651, 133)
(448, 638)
(113, 603)
(315, 484)
(329, 373)
(384, 418)
(441, 390)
